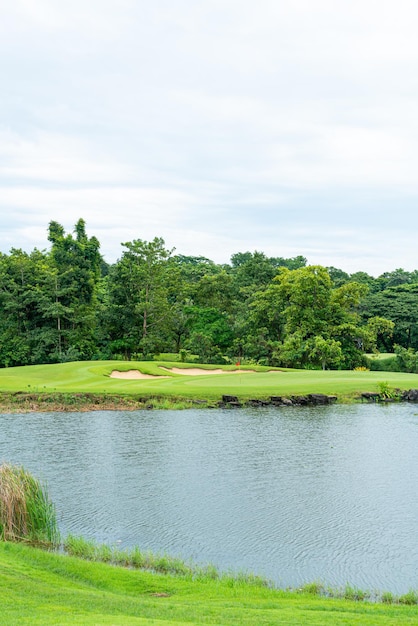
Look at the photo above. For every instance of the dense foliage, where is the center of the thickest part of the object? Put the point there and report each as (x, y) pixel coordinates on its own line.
(67, 304)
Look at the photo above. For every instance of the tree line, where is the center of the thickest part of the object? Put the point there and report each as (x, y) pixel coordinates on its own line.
(67, 303)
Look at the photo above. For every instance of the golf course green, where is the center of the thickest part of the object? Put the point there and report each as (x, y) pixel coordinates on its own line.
(189, 381)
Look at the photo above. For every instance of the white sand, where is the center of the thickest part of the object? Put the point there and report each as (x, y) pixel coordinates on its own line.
(196, 371)
(189, 371)
(133, 375)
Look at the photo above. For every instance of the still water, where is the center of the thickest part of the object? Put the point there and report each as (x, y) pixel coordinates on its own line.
(294, 494)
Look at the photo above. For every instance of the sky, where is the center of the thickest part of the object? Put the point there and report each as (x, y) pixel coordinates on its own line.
(284, 126)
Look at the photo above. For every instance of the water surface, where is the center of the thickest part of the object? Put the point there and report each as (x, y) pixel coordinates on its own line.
(295, 494)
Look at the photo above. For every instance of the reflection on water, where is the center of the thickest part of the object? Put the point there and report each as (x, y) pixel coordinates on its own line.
(295, 494)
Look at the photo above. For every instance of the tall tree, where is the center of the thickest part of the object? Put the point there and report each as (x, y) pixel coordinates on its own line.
(77, 263)
(400, 305)
(25, 336)
(139, 297)
(322, 324)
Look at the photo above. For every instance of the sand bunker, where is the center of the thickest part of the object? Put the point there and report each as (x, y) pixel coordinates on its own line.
(133, 375)
(196, 371)
(189, 371)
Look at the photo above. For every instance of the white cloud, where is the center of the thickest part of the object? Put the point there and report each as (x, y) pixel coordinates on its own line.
(221, 126)
(48, 158)
(92, 18)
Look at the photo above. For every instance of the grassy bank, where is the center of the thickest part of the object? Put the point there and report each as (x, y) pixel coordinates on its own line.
(40, 588)
(21, 402)
(50, 386)
(135, 558)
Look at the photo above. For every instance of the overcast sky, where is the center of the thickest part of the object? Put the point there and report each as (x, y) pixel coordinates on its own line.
(285, 126)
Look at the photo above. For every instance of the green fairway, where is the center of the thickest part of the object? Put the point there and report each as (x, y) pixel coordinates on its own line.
(39, 588)
(94, 377)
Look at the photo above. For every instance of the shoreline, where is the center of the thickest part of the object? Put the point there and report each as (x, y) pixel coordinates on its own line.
(42, 402)
(50, 588)
(135, 558)
(23, 402)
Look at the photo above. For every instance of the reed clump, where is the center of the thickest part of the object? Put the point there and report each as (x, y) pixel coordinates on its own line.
(26, 512)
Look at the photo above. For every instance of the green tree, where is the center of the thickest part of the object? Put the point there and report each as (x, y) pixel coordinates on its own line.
(397, 277)
(254, 270)
(326, 352)
(139, 297)
(25, 337)
(321, 321)
(74, 282)
(306, 293)
(211, 324)
(363, 278)
(380, 330)
(258, 325)
(338, 277)
(400, 306)
(407, 359)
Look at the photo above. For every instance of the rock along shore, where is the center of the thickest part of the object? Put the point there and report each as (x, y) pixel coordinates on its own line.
(317, 399)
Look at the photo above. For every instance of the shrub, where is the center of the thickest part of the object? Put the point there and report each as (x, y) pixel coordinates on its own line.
(388, 597)
(314, 588)
(26, 513)
(407, 359)
(353, 593)
(390, 364)
(409, 598)
(388, 393)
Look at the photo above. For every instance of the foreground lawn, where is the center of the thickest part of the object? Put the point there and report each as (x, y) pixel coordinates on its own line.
(94, 377)
(39, 588)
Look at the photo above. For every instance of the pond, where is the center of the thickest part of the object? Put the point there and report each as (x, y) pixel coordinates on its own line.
(295, 494)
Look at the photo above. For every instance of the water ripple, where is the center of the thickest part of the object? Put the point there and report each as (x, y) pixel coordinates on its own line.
(295, 494)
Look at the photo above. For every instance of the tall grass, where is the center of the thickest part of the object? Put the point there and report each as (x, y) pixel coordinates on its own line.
(26, 512)
(161, 563)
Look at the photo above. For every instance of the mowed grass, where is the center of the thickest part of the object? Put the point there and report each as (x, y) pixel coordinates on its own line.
(40, 588)
(381, 356)
(94, 377)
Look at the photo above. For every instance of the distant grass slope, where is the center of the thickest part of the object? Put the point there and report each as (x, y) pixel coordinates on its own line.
(94, 377)
(379, 356)
(38, 589)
